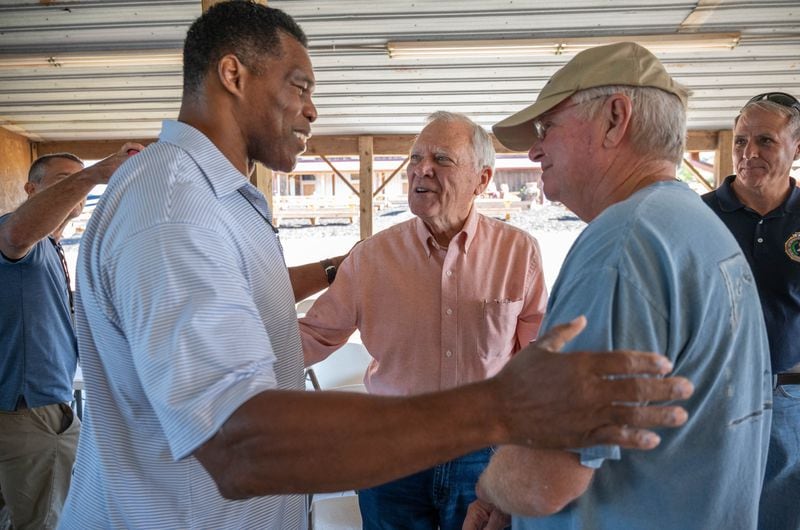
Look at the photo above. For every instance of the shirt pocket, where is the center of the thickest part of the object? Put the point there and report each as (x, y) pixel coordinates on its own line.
(497, 328)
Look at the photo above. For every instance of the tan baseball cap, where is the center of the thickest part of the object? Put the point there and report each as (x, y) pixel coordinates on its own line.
(622, 63)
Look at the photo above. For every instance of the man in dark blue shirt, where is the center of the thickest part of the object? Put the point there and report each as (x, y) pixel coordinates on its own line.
(38, 351)
(760, 204)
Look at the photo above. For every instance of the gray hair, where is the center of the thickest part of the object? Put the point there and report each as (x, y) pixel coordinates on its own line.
(658, 119)
(39, 166)
(482, 145)
(774, 108)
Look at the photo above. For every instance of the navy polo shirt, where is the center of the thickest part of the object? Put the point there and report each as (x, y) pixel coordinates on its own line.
(771, 245)
(38, 350)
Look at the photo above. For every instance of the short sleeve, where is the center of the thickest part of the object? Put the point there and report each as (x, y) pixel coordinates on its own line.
(618, 316)
(198, 344)
(333, 318)
(530, 318)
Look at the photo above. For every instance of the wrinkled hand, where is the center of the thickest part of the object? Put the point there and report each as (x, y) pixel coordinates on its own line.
(560, 401)
(103, 170)
(482, 515)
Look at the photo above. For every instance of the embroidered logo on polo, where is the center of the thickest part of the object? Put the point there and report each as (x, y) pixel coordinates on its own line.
(792, 247)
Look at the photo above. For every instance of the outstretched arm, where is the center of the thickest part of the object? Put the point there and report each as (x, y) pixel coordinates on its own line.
(46, 211)
(310, 278)
(288, 442)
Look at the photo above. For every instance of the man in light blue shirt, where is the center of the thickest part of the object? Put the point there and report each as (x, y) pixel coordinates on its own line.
(189, 339)
(652, 271)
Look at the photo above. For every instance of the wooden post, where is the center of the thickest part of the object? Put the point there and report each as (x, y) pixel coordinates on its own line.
(365, 156)
(723, 157)
(262, 179)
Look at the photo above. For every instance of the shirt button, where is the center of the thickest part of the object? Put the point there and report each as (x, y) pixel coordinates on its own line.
(449, 273)
(448, 353)
(449, 311)
(761, 222)
(760, 239)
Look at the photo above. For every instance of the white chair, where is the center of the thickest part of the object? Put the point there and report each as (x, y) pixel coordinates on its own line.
(303, 306)
(343, 368)
(336, 513)
(342, 371)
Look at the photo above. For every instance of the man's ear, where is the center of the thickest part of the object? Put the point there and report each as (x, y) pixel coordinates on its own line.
(30, 188)
(486, 176)
(231, 74)
(617, 114)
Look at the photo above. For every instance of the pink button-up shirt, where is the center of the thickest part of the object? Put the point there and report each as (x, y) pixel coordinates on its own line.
(432, 318)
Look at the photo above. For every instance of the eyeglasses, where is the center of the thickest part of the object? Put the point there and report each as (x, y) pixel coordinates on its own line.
(781, 98)
(539, 126)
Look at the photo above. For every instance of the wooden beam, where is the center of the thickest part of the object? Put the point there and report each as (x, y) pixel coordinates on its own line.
(395, 172)
(339, 174)
(701, 140)
(398, 144)
(723, 157)
(88, 150)
(332, 145)
(699, 16)
(697, 174)
(365, 156)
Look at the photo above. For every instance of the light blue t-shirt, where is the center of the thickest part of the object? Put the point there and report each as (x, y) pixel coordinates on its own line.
(660, 272)
(184, 312)
(38, 353)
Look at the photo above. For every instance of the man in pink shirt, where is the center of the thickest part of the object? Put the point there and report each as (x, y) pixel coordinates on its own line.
(441, 300)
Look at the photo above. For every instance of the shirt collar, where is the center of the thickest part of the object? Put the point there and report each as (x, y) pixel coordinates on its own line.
(792, 204)
(223, 177)
(729, 202)
(464, 237)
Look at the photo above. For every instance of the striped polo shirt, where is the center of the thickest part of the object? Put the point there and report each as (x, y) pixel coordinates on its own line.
(184, 312)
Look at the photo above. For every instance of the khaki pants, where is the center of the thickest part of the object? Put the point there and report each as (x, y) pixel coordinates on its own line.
(37, 450)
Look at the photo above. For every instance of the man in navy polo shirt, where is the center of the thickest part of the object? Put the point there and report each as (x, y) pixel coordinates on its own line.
(38, 351)
(760, 204)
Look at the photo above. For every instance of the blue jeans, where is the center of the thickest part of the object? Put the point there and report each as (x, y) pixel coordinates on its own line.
(435, 498)
(780, 496)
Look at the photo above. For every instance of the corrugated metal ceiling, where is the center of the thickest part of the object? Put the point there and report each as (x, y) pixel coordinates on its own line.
(360, 89)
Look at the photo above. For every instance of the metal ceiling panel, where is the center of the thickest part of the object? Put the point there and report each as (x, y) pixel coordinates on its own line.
(361, 90)
(29, 27)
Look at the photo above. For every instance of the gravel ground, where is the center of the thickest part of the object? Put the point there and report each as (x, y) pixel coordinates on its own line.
(552, 225)
(540, 218)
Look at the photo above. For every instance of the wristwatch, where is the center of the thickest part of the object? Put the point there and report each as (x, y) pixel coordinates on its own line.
(330, 270)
